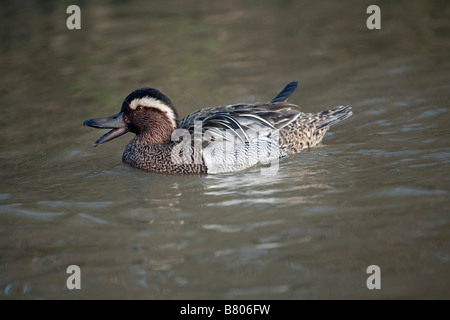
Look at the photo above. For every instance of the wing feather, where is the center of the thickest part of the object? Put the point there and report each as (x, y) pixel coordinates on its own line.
(240, 119)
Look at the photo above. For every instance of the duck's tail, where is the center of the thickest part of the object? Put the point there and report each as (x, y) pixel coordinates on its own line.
(334, 115)
(286, 93)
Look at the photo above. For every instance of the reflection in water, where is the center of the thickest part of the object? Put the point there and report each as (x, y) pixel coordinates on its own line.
(376, 192)
(291, 184)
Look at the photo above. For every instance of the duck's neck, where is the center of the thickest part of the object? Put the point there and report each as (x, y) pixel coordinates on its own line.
(151, 138)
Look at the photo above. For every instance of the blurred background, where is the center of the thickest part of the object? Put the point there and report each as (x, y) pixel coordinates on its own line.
(375, 192)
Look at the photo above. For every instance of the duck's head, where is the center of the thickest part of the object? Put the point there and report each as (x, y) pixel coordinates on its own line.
(146, 112)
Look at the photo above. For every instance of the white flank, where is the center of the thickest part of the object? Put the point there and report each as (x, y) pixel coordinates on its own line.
(228, 156)
(155, 103)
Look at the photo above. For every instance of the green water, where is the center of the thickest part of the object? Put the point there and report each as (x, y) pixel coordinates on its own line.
(375, 193)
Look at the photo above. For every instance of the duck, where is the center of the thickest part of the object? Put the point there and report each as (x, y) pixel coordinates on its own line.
(214, 140)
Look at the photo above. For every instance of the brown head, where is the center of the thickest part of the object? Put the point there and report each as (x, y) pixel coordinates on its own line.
(146, 112)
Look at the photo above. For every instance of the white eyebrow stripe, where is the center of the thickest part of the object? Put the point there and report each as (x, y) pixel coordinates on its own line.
(154, 103)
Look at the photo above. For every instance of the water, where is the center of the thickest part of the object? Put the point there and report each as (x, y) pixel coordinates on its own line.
(375, 193)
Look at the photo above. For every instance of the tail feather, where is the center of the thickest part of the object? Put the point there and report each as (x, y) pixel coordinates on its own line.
(286, 93)
(332, 116)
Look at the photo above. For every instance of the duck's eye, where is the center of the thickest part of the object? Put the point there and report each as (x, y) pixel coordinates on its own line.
(139, 108)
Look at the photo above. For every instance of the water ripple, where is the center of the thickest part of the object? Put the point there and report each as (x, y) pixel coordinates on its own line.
(258, 291)
(84, 215)
(15, 208)
(242, 227)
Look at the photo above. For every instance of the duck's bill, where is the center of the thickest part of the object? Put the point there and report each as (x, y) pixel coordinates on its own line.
(115, 123)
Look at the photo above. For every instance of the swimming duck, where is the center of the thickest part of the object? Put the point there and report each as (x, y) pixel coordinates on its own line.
(213, 140)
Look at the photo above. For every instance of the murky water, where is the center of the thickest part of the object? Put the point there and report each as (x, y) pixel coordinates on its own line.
(375, 193)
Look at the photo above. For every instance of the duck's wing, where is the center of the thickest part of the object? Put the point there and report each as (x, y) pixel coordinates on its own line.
(240, 120)
(286, 93)
(201, 115)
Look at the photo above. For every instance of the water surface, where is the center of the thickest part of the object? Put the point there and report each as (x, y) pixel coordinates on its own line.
(375, 192)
